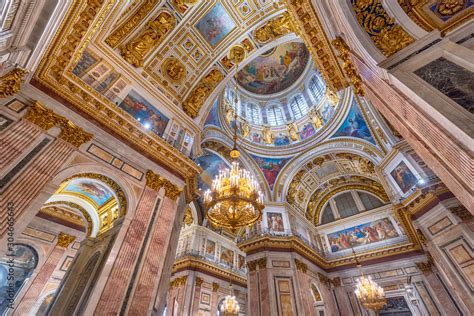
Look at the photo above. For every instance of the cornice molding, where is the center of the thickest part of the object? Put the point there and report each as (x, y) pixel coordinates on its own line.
(156, 182)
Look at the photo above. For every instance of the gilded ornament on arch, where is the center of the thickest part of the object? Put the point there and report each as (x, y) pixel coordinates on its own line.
(136, 51)
(183, 5)
(10, 83)
(275, 28)
(201, 92)
(237, 54)
(348, 66)
(173, 69)
(74, 135)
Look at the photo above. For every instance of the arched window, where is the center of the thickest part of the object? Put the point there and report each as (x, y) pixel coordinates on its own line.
(298, 106)
(316, 88)
(275, 115)
(346, 205)
(253, 113)
(369, 201)
(327, 215)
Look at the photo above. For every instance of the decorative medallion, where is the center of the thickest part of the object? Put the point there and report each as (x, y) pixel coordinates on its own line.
(173, 69)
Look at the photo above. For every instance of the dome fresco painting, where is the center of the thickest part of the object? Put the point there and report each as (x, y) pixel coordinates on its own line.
(275, 70)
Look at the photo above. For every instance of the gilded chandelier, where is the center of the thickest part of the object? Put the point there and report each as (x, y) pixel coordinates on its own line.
(369, 293)
(230, 306)
(234, 199)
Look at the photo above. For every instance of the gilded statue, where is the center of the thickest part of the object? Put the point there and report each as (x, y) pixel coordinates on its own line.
(275, 28)
(332, 97)
(136, 50)
(315, 118)
(450, 7)
(293, 131)
(188, 216)
(244, 129)
(267, 135)
(237, 54)
(173, 69)
(229, 114)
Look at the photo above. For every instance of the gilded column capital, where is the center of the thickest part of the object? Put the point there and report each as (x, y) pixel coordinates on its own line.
(155, 182)
(461, 212)
(262, 263)
(324, 279)
(11, 81)
(252, 266)
(74, 135)
(425, 267)
(215, 287)
(64, 240)
(301, 266)
(199, 281)
(347, 65)
(336, 282)
(43, 117)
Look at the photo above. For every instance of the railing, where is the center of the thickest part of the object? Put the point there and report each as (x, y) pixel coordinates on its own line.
(201, 255)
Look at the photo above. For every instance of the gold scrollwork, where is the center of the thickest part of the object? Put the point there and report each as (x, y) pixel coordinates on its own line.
(301, 266)
(188, 216)
(275, 28)
(155, 182)
(387, 36)
(348, 66)
(11, 81)
(136, 51)
(204, 88)
(173, 69)
(64, 240)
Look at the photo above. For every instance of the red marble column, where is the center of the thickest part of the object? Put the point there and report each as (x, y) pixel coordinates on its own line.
(15, 140)
(33, 293)
(264, 287)
(118, 281)
(253, 293)
(153, 265)
(214, 298)
(197, 295)
(28, 184)
(304, 290)
(443, 297)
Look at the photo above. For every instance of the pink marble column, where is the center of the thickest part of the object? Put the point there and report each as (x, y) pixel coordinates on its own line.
(33, 293)
(197, 295)
(28, 184)
(440, 292)
(253, 293)
(304, 291)
(264, 287)
(118, 281)
(15, 139)
(154, 259)
(214, 298)
(342, 301)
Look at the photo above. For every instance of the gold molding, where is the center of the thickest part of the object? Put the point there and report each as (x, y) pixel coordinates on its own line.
(10, 83)
(348, 66)
(178, 281)
(54, 76)
(201, 92)
(155, 182)
(312, 32)
(275, 28)
(46, 119)
(64, 240)
(75, 207)
(301, 266)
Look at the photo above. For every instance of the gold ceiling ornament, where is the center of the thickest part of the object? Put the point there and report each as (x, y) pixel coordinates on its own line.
(10, 83)
(183, 5)
(131, 23)
(368, 292)
(348, 66)
(311, 30)
(173, 69)
(64, 240)
(275, 28)
(234, 199)
(201, 92)
(409, 7)
(155, 182)
(388, 36)
(188, 216)
(135, 51)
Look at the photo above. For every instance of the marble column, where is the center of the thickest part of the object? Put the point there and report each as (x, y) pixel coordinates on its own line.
(253, 300)
(264, 286)
(197, 295)
(15, 140)
(342, 299)
(23, 189)
(214, 298)
(33, 293)
(304, 288)
(118, 281)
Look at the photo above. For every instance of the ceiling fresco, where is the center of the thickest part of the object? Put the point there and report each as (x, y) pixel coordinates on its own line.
(275, 70)
(92, 190)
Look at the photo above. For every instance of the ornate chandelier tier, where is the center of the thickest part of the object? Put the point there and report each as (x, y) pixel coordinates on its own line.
(230, 306)
(369, 293)
(234, 199)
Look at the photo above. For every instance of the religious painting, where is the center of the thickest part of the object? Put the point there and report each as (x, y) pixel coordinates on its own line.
(210, 164)
(275, 222)
(362, 234)
(355, 125)
(215, 25)
(403, 176)
(107, 82)
(327, 112)
(94, 190)
(240, 262)
(281, 140)
(307, 131)
(270, 167)
(275, 70)
(256, 138)
(142, 110)
(86, 61)
(210, 248)
(227, 256)
(213, 116)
